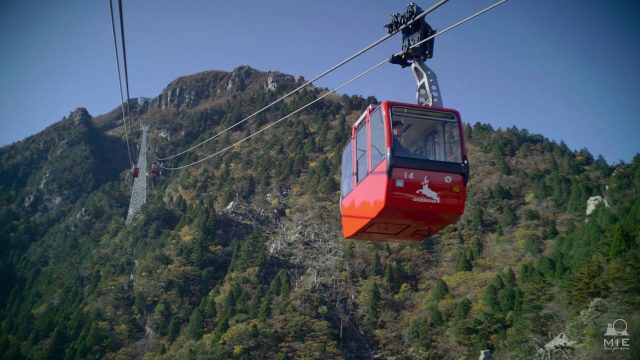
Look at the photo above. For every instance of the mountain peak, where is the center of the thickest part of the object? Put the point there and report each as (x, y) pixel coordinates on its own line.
(80, 116)
(208, 86)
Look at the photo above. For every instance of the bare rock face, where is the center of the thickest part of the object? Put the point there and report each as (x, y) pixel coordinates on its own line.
(593, 203)
(178, 98)
(191, 91)
(278, 79)
(80, 116)
(239, 78)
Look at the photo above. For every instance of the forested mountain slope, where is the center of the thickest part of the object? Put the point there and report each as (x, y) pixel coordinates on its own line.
(241, 256)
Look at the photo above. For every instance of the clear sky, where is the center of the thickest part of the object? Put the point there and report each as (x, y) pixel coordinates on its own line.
(568, 69)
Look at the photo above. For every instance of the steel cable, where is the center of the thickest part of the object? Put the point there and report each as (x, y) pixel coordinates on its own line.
(331, 91)
(318, 77)
(124, 117)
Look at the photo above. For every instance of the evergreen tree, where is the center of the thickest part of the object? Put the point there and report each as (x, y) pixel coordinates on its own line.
(376, 266)
(462, 309)
(285, 286)
(209, 309)
(508, 218)
(373, 310)
(435, 317)
(463, 263)
(265, 308)
(621, 243)
(439, 290)
(389, 279)
(477, 223)
(255, 303)
(490, 297)
(275, 286)
(196, 325)
(173, 330)
(476, 247)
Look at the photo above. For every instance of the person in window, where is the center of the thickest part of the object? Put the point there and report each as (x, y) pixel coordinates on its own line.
(398, 148)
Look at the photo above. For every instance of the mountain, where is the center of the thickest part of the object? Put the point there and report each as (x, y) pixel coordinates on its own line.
(241, 256)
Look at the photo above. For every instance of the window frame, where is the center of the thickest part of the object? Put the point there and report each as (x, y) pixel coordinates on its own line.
(349, 174)
(364, 125)
(383, 137)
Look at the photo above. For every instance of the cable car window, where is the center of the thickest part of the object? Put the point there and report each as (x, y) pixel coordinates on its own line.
(426, 134)
(378, 148)
(346, 181)
(361, 151)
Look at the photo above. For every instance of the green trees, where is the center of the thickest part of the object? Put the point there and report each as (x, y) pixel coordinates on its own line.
(213, 282)
(373, 307)
(196, 325)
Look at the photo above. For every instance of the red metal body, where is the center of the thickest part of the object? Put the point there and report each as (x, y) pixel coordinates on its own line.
(135, 172)
(397, 202)
(155, 169)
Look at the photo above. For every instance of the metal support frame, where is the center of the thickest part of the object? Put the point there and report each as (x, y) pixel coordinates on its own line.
(427, 88)
(139, 190)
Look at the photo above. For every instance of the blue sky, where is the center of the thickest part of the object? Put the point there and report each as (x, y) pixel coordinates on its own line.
(565, 69)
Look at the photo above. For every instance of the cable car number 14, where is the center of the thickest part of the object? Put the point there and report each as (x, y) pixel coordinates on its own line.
(408, 175)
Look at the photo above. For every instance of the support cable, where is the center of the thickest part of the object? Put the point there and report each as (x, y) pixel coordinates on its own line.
(318, 77)
(115, 46)
(124, 57)
(279, 120)
(459, 23)
(331, 91)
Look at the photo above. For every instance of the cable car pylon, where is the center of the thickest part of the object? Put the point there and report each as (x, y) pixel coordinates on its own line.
(139, 190)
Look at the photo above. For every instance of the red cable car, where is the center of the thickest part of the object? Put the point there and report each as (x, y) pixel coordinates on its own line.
(135, 172)
(404, 173)
(155, 169)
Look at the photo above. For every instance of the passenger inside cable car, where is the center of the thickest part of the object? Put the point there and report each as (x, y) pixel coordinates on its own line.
(398, 131)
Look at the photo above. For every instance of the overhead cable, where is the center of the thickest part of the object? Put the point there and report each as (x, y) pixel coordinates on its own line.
(318, 77)
(279, 120)
(331, 91)
(124, 117)
(126, 69)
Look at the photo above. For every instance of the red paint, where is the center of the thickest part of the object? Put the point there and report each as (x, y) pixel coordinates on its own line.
(378, 209)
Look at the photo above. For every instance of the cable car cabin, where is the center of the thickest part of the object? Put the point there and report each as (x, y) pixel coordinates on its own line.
(135, 172)
(404, 173)
(155, 169)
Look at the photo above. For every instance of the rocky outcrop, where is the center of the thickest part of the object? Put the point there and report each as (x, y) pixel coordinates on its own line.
(190, 91)
(593, 203)
(276, 80)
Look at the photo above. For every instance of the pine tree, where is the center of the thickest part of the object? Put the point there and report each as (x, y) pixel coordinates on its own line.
(376, 267)
(490, 297)
(275, 286)
(463, 263)
(389, 279)
(621, 242)
(477, 222)
(373, 310)
(173, 330)
(265, 308)
(439, 290)
(256, 300)
(209, 309)
(196, 325)
(285, 286)
(435, 317)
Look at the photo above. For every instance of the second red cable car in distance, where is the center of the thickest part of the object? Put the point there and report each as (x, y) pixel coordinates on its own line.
(404, 173)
